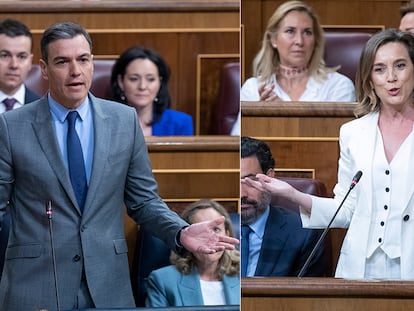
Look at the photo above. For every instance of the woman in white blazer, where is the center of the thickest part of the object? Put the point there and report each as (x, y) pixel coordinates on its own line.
(380, 143)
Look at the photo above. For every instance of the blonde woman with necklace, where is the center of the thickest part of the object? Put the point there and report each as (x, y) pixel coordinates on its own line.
(290, 65)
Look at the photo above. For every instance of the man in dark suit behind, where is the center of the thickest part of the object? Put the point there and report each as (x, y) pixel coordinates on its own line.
(15, 63)
(86, 158)
(277, 243)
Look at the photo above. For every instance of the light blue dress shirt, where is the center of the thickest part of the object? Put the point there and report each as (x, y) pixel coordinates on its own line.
(255, 241)
(84, 128)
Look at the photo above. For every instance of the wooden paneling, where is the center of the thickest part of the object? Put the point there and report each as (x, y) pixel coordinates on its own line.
(255, 14)
(182, 32)
(301, 135)
(191, 168)
(125, 13)
(209, 67)
(325, 294)
(191, 86)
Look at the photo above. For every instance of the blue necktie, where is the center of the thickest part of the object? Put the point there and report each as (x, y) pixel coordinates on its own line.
(245, 231)
(75, 160)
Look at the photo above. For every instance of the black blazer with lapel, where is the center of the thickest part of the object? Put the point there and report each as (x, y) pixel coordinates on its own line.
(286, 246)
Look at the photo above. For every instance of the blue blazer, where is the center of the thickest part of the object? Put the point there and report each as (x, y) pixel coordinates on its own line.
(168, 287)
(286, 246)
(173, 123)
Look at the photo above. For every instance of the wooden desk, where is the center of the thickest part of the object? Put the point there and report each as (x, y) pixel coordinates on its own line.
(303, 136)
(320, 294)
(190, 168)
(295, 119)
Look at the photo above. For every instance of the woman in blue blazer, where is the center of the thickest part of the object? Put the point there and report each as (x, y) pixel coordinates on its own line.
(140, 79)
(193, 280)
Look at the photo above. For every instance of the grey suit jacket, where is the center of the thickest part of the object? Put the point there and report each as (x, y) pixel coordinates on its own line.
(32, 172)
(168, 287)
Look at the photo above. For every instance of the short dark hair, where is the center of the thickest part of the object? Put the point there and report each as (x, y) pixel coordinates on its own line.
(62, 30)
(13, 28)
(255, 147)
(139, 52)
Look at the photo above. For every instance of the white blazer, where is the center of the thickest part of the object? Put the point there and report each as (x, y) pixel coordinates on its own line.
(357, 139)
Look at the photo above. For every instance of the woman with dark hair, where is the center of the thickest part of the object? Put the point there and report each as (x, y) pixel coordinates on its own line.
(195, 279)
(140, 79)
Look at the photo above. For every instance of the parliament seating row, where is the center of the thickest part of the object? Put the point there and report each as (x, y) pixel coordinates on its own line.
(225, 110)
(100, 82)
(344, 49)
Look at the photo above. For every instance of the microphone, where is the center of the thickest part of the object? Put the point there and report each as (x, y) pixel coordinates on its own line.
(355, 180)
(49, 213)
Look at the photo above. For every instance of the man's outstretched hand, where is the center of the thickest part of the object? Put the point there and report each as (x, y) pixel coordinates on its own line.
(200, 237)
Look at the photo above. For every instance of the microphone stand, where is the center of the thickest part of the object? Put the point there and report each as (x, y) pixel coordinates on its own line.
(49, 216)
(355, 180)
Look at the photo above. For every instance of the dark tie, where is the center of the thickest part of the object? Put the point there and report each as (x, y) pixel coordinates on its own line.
(245, 231)
(9, 103)
(75, 160)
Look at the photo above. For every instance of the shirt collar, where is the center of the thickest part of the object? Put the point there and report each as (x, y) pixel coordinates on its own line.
(19, 95)
(61, 112)
(258, 227)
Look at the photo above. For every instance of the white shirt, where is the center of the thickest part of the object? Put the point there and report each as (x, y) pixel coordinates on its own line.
(19, 96)
(388, 208)
(213, 293)
(336, 88)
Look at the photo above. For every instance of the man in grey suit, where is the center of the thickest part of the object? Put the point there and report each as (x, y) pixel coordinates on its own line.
(88, 232)
(15, 63)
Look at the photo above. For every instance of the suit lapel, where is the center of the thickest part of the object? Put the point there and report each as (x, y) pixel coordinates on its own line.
(231, 286)
(190, 289)
(364, 154)
(43, 128)
(275, 236)
(102, 143)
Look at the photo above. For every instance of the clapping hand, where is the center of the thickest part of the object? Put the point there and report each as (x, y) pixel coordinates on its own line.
(266, 92)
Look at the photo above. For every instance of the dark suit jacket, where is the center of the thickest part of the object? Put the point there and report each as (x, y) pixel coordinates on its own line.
(32, 172)
(30, 96)
(173, 123)
(286, 246)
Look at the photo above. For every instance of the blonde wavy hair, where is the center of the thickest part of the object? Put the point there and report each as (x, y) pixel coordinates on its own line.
(266, 61)
(368, 101)
(229, 262)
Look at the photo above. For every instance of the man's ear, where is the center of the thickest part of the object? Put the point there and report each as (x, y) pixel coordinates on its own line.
(270, 172)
